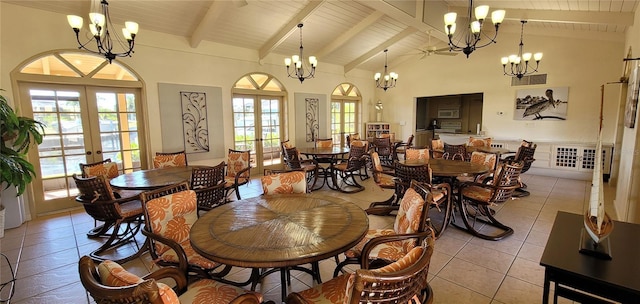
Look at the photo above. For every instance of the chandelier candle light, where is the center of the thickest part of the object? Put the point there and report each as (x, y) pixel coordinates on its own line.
(473, 33)
(389, 79)
(298, 69)
(518, 68)
(99, 28)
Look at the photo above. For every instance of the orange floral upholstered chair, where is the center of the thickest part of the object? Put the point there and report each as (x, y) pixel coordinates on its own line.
(284, 182)
(437, 148)
(479, 142)
(238, 171)
(105, 167)
(403, 281)
(169, 214)
(172, 159)
(382, 177)
(410, 220)
(111, 283)
(417, 154)
(482, 158)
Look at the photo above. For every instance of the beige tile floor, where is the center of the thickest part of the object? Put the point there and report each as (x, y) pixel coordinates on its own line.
(464, 269)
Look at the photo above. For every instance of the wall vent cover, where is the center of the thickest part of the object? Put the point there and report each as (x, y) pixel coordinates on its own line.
(529, 80)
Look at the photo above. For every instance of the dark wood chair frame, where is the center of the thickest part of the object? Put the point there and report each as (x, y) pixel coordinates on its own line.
(343, 177)
(123, 217)
(311, 168)
(174, 153)
(401, 147)
(524, 154)
(208, 183)
(473, 211)
(455, 152)
(390, 287)
(385, 150)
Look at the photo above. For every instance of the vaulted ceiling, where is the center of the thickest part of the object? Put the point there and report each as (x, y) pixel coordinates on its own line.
(352, 34)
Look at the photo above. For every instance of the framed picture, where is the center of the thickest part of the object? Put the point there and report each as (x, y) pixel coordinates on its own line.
(542, 104)
(632, 99)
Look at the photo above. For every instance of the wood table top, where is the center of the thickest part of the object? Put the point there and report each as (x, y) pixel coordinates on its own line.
(153, 178)
(447, 167)
(324, 151)
(279, 230)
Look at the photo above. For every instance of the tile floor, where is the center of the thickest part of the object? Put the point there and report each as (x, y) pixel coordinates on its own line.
(464, 269)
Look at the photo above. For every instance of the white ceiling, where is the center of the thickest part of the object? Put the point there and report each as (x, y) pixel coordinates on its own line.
(348, 33)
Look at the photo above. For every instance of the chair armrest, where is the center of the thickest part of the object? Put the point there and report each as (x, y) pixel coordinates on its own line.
(172, 273)
(239, 173)
(183, 264)
(364, 256)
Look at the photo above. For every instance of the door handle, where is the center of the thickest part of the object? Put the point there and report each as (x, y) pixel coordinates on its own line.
(88, 152)
(98, 152)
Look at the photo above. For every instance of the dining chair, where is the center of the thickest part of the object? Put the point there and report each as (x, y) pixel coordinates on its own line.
(383, 178)
(208, 183)
(293, 161)
(284, 182)
(122, 217)
(170, 159)
(401, 147)
(364, 171)
(437, 148)
(344, 171)
(325, 143)
(440, 209)
(411, 220)
(169, 213)
(402, 281)
(238, 171)
(110, 170)
(479, 141)
(382, 145)
(109, 282)
(475, 200)
(481, 158)
(351, 137)
(525, 154)
(417, 154)
(455, 152)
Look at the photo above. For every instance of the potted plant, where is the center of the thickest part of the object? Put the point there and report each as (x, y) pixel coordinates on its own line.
(17, 134)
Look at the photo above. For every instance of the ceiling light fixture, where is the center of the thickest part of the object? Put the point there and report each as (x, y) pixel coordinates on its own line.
(105, 41)
(298, 69)
(468, 41)
(389, 79)
(518, 68)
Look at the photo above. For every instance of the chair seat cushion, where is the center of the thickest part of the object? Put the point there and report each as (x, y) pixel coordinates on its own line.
(391, 251)
(477, 193)
(213, 292)
(332, 291)
(386, 181)
(230, 181)
(193, 257)
(132, 208)
(114, 275)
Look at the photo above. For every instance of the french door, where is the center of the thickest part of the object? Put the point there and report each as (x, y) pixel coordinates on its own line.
(343, 120)
(84, 124)
(257, 122)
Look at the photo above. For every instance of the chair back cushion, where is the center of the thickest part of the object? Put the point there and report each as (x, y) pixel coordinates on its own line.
(108, 169)
(284, 183)
(409, 259)
(479, 142)
(172, 216)
(236, 162)
(417, 154)
(114, 275)
(169, 160)
(437, 144)
(324, 143)
(409, 213)
(482, 158)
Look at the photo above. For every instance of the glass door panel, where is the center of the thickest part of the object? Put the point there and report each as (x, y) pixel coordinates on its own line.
(343, 120)
(271, 132)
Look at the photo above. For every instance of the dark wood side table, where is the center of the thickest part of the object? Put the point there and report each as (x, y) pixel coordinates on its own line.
(617, 279)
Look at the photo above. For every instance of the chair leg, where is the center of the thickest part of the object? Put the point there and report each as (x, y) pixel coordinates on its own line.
(117, 239)
(480, 213)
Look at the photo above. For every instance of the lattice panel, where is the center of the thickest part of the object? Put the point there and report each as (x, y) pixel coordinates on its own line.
(566, 157)
(589, 159)
(497, 145)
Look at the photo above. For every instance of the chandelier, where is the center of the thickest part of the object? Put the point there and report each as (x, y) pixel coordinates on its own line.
(389, 79)
(299, 67)
(468, 41)
(105, 40)
(518, 68)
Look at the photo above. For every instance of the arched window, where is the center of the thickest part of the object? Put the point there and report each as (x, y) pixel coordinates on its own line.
(258, 119)
(92, 111)
(345, 112)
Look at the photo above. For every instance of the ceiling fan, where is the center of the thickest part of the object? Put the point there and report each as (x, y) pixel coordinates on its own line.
(432, 49)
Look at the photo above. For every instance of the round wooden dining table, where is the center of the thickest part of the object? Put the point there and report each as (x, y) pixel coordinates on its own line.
(153, 178)
(447, 167)
(279, 231)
